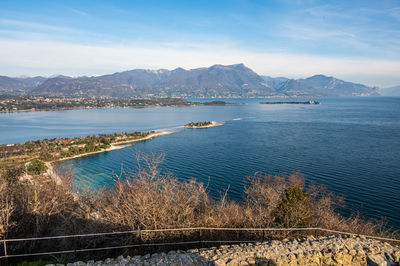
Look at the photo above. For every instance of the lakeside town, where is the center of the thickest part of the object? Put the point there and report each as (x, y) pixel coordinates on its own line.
(14, 103)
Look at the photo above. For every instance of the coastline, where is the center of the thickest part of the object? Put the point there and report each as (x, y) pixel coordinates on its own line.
(52, 174)
(81, 107)
(213, 124)
(95, 107)
(116, 145)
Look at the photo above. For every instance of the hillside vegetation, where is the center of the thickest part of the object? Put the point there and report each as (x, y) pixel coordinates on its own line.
(30, 157)
(149, 200)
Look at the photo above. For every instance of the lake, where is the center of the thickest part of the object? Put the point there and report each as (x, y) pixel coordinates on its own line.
(351, 145)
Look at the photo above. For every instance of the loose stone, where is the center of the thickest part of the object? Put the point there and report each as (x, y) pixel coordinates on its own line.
(333, 250)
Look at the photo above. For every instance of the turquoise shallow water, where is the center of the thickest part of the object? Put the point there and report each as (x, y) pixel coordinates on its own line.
(351, 145)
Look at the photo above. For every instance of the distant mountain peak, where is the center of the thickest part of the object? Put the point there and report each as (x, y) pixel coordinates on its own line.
(237, 66)
(241, 65)
(179, 69)
(320, 76)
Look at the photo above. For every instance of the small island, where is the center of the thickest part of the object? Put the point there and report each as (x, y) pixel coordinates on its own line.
(202, 124)
(307, 102)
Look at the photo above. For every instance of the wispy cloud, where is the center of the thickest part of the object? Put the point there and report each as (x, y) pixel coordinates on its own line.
(40, 27)
(34, 31)
(395, 12)
(362, 31)
(46, 58)
(299, 32)
(327, 11)
(77, 11)
(357, 41)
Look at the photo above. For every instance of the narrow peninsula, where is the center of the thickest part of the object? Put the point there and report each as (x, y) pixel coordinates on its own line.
(35, 157)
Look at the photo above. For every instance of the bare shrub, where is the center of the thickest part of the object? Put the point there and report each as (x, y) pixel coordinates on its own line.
(324, 205)
(6, 208)
(275, 201)
(225, 213)
(152, 203)
(264, 198)
(13, 172)
(148, 200)
(42, 205)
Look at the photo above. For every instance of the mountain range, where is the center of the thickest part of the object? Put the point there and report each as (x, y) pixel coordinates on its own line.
(215, 81)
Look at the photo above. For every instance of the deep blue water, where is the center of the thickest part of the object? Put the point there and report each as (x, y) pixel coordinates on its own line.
(351, 145)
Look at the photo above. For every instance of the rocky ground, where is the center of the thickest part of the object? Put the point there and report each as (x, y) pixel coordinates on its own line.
(332, 250)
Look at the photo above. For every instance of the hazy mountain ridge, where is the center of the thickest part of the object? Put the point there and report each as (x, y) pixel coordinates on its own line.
(8, 84)
(215, 81)
(391, 91)
(19, 85)
(320, 85)
(275, 82)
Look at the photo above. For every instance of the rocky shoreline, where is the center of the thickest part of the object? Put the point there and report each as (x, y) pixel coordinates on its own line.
(333, 250)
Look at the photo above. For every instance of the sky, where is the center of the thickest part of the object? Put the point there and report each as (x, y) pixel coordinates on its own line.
(357, 41)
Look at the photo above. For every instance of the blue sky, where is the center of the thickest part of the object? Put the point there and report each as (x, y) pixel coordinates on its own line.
(353, 40)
